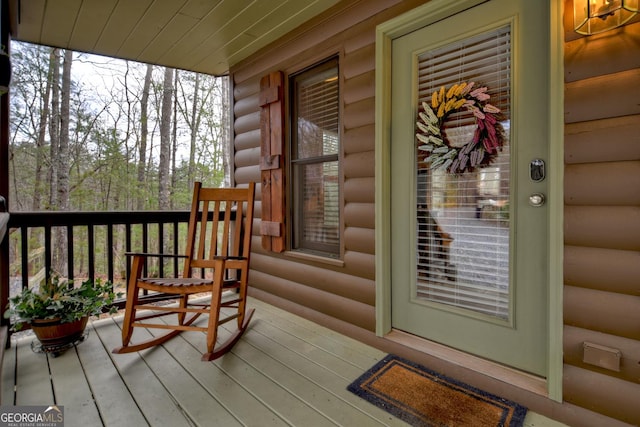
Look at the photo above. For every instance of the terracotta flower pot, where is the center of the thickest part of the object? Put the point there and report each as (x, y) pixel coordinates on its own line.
(54, 335)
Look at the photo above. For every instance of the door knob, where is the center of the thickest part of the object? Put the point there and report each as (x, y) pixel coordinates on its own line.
(536, 199)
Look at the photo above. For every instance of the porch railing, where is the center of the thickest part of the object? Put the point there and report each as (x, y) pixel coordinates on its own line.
(141, 231)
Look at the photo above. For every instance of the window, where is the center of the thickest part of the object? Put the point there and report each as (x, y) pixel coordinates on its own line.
(463, 219)
(314, 154)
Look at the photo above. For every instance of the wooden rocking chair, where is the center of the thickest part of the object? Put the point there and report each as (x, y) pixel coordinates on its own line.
(217, 259)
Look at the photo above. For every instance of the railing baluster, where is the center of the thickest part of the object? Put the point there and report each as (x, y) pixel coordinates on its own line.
(47, 253)
(145, 246)
(176, 248)
(92, 252)
(24, 241)
(127, 244)
(161, 249)
(70, 263)
(110, 261)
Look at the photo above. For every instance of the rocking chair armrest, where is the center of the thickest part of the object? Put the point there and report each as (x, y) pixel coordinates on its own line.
(234, 258)
(144, 254)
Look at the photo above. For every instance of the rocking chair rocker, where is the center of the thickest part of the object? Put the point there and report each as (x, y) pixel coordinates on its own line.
(216, 260)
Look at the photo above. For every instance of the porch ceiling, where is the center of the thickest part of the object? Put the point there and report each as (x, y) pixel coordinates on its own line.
(206, 36)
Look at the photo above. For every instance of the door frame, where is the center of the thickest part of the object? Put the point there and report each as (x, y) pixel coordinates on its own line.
(419, 17)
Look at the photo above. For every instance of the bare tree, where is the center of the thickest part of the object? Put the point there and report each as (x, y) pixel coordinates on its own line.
(144, 132)
(63, 153)
(165, 140)
(40, 141)
(62, 164)
(174, 138)
(226, 140)
(54, 126)
(195, 122)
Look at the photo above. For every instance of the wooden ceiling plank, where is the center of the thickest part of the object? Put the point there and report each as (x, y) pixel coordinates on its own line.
(174, 42)
(170, 34)
(199, 8)
(123, 20)
(30, 25)
(266, 30)
(91, 21)
(60, 19)
(216, 62)
(207, 31)
(156, 17)
(198, 35)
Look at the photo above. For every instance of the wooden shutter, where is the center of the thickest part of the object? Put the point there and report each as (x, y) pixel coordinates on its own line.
(272, 161)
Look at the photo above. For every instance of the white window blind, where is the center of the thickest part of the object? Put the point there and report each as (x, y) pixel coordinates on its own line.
(463, 220)
(315, 160)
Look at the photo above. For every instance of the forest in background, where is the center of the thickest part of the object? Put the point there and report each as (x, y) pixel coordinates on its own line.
(100, 134)
(90, 133)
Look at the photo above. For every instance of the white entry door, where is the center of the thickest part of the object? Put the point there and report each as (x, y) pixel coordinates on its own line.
(469, 223)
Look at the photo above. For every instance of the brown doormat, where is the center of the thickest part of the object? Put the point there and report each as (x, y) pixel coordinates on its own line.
(422, 397)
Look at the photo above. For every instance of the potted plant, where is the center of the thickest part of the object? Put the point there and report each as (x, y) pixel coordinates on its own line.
(58, 311)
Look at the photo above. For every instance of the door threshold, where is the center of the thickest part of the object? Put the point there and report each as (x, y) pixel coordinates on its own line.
(520, 379)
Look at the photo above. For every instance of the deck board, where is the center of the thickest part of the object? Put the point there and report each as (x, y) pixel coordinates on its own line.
(32, 370)
(222, 387)
(8, 376)
(283, 401)
(156, 405)
(329, 374)
(354, 351)
(108, 388)
(194, 400)
(70, 389)
(284, 371)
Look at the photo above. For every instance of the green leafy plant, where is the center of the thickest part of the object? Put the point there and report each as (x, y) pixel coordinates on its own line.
(62, 301)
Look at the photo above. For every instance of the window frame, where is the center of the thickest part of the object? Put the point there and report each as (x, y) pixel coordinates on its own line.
(295, 242)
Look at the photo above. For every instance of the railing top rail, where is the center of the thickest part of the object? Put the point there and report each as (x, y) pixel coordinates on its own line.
(64, 218)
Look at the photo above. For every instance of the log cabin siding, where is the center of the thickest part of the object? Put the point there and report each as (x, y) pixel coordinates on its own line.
(590, 267)
(602, 219)
(611, 227)
(602, 195)
(344, 291)
(601, 393)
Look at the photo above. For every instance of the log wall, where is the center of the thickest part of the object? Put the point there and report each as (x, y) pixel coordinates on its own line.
(602, 219)
(602, 193)
(346, 290)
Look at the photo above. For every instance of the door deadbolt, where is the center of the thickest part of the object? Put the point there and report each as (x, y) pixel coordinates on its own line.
(537, 170)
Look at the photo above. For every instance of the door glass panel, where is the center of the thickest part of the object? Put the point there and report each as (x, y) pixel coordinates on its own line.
(463, 219)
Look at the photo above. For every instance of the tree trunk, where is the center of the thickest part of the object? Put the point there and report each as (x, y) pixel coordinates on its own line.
(165, 141)
(174, 141)
(144, 131)
(226, 140)
(54, 127)
(194, 132)
(40, 142)
(60, 242)
(63, 154)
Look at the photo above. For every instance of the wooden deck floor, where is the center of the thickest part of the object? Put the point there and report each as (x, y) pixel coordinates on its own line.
(284, 371)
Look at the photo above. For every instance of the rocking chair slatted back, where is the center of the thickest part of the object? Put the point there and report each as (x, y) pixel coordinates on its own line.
(218, 227)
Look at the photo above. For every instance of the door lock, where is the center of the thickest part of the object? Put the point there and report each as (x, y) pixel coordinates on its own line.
(536, 199)
(537, 170)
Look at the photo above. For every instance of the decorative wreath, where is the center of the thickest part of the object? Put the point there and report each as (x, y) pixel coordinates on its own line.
(488, 137)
